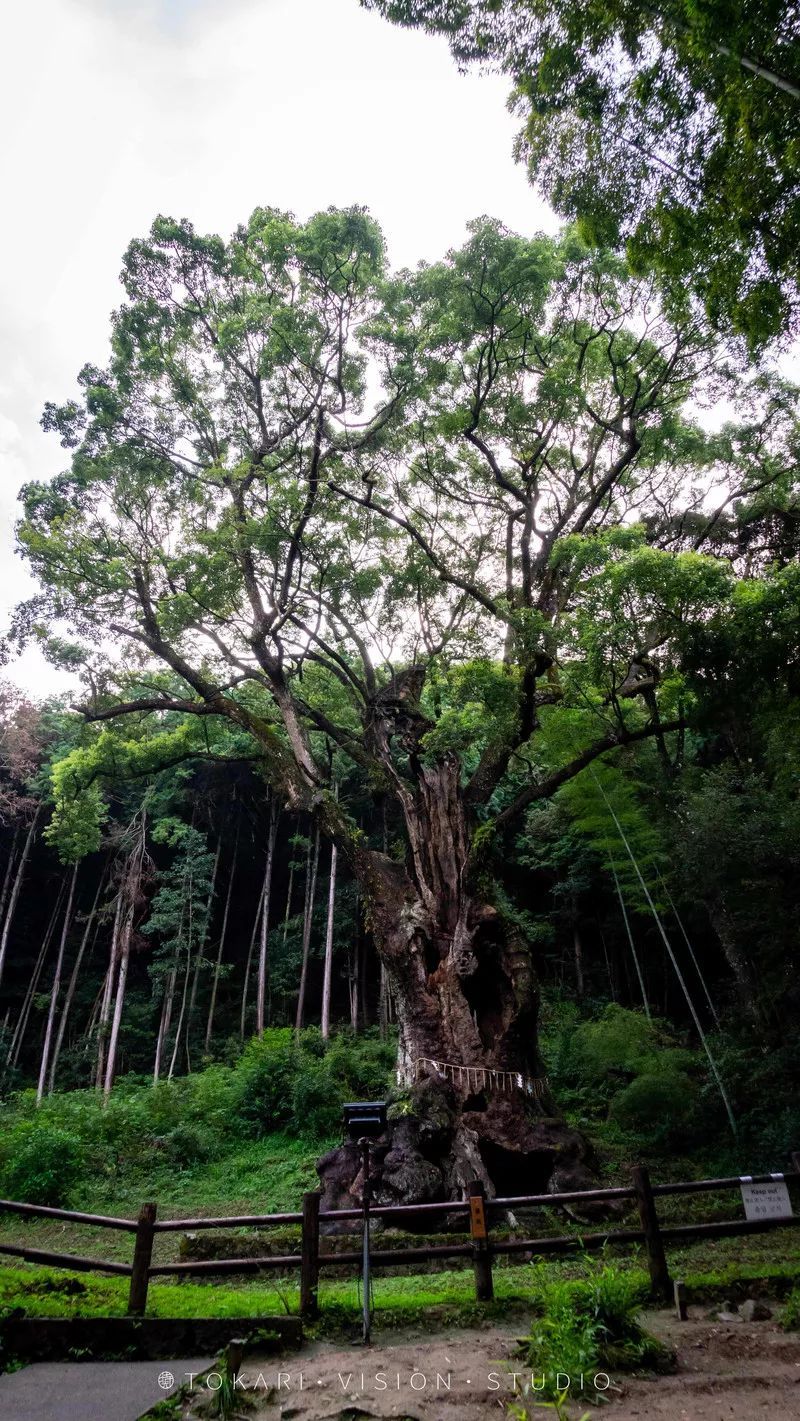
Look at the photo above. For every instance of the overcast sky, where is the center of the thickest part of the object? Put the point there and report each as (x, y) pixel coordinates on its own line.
(113, 111)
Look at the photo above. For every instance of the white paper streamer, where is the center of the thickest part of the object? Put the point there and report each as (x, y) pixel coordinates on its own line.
(475, 1078)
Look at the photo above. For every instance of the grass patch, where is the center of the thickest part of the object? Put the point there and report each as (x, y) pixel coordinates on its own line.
(447, 1298)
(590, 1327)
(790, 1317)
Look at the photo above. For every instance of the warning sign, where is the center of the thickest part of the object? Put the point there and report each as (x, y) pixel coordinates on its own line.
(766, 1201)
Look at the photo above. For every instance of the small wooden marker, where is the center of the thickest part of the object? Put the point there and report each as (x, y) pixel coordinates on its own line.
(477, 1214)
(479, 1230)
(681, 1309)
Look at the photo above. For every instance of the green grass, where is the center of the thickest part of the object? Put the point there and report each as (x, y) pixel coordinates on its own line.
(448, 1298)
(267, 1175)
(264, 1176)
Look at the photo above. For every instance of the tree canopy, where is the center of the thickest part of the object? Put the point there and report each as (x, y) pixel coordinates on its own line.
(306, 490)
(673, 128)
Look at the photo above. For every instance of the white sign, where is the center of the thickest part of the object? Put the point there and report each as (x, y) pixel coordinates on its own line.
(766, 1201)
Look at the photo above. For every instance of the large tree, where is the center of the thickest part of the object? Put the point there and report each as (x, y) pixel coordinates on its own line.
(671, 126)
(390, 525)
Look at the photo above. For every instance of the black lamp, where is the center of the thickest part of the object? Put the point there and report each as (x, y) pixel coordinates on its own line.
(365, 1120)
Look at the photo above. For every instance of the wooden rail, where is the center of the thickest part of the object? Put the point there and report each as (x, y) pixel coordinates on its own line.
(478, 1245)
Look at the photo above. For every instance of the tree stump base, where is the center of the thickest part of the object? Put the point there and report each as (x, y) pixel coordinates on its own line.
(436, 1144)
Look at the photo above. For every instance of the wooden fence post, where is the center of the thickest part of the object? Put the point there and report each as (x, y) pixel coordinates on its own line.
(656, 1258)
(142, 1256)
(309, 1259)
(479, 1231)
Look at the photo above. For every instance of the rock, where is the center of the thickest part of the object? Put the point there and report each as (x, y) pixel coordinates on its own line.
(754, 1311)
(729, 1317)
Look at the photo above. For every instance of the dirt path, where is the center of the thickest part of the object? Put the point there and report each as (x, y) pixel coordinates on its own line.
(726, 1372)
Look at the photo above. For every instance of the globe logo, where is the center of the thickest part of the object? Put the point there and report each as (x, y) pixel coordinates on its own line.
(166, 1380)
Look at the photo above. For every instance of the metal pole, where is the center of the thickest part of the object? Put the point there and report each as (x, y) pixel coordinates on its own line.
(365, 1278)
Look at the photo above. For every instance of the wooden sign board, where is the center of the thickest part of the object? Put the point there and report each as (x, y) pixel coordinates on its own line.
(477, 1216)
(766, 1201)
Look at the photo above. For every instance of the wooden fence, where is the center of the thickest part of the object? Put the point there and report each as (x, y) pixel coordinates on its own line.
(476, 1244)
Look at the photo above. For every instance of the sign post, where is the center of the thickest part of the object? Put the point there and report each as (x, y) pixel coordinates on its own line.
(481, 1258)
(765, 1201)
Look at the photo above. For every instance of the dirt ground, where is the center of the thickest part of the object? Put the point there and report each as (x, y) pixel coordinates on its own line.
(726, 1372)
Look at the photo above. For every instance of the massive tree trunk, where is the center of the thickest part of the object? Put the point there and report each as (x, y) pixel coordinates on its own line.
(466, 998)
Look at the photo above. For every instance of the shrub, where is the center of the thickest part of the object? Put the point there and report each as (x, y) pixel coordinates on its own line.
(42, 1164)
(303, 1083)
(186, 1145)
(656, 1108)
(266, 1072)
(588, 1327)
(620, 1044)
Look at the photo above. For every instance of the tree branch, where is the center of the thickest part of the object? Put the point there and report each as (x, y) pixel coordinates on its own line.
(546, 788)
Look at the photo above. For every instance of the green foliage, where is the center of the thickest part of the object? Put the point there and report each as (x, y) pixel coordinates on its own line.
(618, 1045)
(278, 1082)
(657, 1110)
(649, 125)
(181, 907)
(286, 1081)
(588, 1327)
(267, 1071)
(631, 1069)
(40, 1163)
(790, 1316)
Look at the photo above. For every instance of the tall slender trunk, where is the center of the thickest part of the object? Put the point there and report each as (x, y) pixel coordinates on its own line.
(25, 1010)
(353, 987)
(249, 963)
(108, 989)
(312, 864)
(55, 990)
(383, 1003)
(634, 954)
(200, 950)
(72, 984)
(164, 1023)
(14, 899)
(288, 912)
(185, 991)
(119, 1000)
(261, 990)
(580, 983)
(130, 894)
(328, 966)
(609, 969)
(91, 1024)
(212, 1006)
(10, 865)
